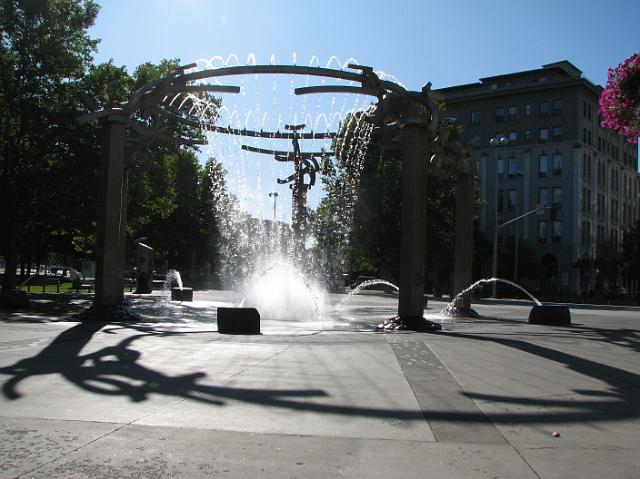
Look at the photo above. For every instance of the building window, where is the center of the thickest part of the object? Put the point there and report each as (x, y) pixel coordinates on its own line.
(600, 206)
(513, 112)
(557, 231)
(512, 200)
(557, 163)
(543, 165)
(500, 201)
(589, 137)
(584, 109)
(589, 111)
(584, 135)
(557, 133)
(586, 200)
(527, 110)
(513, 167)
(543, 108)
(500, 167)
(475, 117)
(556, 107)
(614, 210)
(542, 231)
(556, 197)
(543, 135)
(599, 234)
(543, 196)
(513, 138)
(499, 114)
(586, 233)
(527, 135)
(589, 162)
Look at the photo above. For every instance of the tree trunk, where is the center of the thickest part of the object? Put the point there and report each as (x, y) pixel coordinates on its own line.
(11, 263)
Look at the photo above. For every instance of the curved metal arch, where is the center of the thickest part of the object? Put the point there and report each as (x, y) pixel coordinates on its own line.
(305, 90)
(286, 155)
(282, 135)
(368, 78)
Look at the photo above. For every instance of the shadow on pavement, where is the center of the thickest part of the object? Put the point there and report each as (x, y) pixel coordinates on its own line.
(618, 401)
(116, 371)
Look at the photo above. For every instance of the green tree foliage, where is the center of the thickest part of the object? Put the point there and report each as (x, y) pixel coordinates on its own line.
(371, 243)
(330, 224)
(49, 162)
(44, 48)
(608, 261)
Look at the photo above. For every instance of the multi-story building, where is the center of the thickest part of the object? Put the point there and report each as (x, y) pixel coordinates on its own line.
(556, 156)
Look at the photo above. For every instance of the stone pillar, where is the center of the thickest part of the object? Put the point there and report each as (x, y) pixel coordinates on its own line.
(111, 222)
(463, 254)
(124, 202)
(144, 265)
(413, 221)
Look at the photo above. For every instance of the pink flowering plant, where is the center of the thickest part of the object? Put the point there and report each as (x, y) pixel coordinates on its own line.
(620, 99)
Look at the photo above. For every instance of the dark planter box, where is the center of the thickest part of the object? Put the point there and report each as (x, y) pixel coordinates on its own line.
(551, 315)
(238, 321)
(184, 294)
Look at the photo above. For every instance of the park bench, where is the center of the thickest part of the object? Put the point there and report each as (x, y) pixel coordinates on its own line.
(84, 283)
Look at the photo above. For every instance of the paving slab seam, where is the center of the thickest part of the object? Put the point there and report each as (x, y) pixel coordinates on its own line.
(285, 434)
(506, 439)
(66, 454)
(532, 397)
(179, 401)
(229, 378)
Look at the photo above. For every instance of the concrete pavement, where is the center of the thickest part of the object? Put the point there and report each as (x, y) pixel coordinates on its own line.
(170, 397)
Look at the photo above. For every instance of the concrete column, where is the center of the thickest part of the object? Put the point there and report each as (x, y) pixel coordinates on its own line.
(111, 222)
(123, 217)
(464, 235)
(412, 222)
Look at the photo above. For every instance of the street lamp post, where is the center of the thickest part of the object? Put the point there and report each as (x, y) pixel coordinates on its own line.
(495, 143)
(274, 195)
(538, 210)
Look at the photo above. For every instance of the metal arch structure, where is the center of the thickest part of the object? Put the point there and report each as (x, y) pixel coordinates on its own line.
(412, 117)
(400, 113)
(126, 127)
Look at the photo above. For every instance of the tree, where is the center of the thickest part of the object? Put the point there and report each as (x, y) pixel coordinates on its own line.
(631, 257)
(366, 180)
(608, 262)
(44, 47)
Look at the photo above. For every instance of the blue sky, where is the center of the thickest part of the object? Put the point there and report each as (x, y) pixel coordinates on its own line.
(447, 43)
(418, 41)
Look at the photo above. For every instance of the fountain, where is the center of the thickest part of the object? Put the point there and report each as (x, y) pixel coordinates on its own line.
(173, 283)
(407, 121)
(549, 314)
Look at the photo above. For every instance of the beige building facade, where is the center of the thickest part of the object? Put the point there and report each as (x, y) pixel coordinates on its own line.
(557, 156)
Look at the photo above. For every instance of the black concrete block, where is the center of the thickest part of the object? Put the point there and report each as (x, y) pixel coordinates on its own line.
(238, 321)
(184, 294)
(550, 314)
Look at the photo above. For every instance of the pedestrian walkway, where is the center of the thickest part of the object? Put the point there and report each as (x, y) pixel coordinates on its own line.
(493, 397)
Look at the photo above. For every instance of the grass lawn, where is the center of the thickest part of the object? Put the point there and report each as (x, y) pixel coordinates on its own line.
(60, 288)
